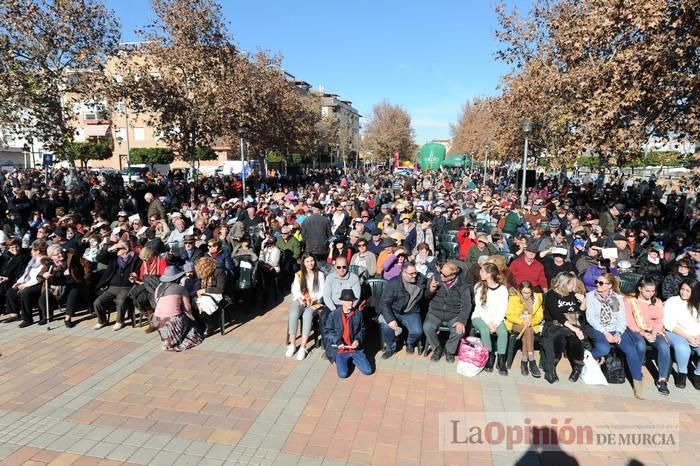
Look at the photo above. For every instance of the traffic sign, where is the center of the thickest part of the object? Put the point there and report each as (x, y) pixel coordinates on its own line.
(48, 159)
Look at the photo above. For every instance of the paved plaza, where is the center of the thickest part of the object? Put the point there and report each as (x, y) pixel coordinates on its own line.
(85, 397)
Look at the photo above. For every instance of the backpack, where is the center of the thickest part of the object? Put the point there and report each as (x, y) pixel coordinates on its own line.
(614, 368)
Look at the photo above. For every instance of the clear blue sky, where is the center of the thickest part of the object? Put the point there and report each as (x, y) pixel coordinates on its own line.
(427, 56)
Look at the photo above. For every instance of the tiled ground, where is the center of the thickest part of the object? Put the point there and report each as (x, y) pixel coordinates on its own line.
(78, 396)
(199, 395)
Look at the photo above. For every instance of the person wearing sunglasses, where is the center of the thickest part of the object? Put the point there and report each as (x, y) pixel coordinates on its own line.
(605, 312)
(338, 280)
(449, 304)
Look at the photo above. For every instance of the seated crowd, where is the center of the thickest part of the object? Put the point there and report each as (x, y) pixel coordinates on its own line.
(427, 265)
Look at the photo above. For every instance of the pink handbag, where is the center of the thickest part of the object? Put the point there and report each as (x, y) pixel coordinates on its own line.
(472, 356)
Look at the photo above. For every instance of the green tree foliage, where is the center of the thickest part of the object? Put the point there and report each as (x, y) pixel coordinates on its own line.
(86, 151)
(274, 157)
(205, 153)
(152, 156)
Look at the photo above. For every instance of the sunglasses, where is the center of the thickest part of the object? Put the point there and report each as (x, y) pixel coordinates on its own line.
(341, 267)
(599, 283)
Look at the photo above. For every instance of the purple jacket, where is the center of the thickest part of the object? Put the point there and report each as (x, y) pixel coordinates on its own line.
(592, 273)
(391, 267)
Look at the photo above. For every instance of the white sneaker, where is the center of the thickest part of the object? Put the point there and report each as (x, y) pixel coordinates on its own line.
(290, 350)
(118, 326)
(301, 354)
(99, 326)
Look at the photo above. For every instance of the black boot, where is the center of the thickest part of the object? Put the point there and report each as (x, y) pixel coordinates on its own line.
(680, 380)
(534, 370)
(550, 375)
(209, 325)
(489, 364)
(502, 369)
(523, 369)
(575, 372)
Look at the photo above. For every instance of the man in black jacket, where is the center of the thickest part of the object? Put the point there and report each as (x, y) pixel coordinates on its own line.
(316, 230)
(450, 306)
(123, 267)
(400, 307)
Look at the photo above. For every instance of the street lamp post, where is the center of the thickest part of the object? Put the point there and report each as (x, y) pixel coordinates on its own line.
(243, 132)
(486, 161)
(25, 155)
(527, 127)
(119, 140)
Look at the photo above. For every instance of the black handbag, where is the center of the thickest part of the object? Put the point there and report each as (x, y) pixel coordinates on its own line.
(614, 368)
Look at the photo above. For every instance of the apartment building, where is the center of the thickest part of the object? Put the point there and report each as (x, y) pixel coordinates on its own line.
(116, 124)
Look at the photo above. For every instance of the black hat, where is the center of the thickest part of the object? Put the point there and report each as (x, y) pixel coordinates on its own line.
(347, 295)
(620, 208)
(188, 239)
(532, 246)
(317, 205)
(387, 243)
(619, 237)
(60, 232)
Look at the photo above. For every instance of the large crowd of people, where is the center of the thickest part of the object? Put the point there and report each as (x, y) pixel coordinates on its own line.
(584, 264)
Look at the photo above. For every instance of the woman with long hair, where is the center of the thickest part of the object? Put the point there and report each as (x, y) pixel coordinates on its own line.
(212, 284)
(645, 317)
(490, 304)
(307, 302)
(564, 324)
(524, 316)
(682, 320)
(605, 312)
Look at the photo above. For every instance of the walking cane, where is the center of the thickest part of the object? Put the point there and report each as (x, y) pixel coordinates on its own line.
(48, 289)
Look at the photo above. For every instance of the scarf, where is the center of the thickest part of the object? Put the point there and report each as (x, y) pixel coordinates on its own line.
(346, 337)
(607, 307)
(122, 261)
(424, 236)
(413, 294)
(638, 316)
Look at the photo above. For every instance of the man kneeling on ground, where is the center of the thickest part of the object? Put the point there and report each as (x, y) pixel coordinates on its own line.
(344, 331)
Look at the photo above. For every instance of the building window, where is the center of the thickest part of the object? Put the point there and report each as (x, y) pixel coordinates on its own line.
(139, 134)
(120, 133)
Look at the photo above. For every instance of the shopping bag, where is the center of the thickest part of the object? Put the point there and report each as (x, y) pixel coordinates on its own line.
(472, 356)
(591, 374)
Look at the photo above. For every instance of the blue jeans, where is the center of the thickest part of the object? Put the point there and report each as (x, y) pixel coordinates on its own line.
(663, 350)
(412, 322)
(628, 345)
(682, 350)
(344, 362)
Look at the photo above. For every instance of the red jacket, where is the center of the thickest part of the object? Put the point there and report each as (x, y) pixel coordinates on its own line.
(465, 243)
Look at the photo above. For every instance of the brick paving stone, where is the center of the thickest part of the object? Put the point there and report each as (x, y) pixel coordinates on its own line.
(236, 399)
